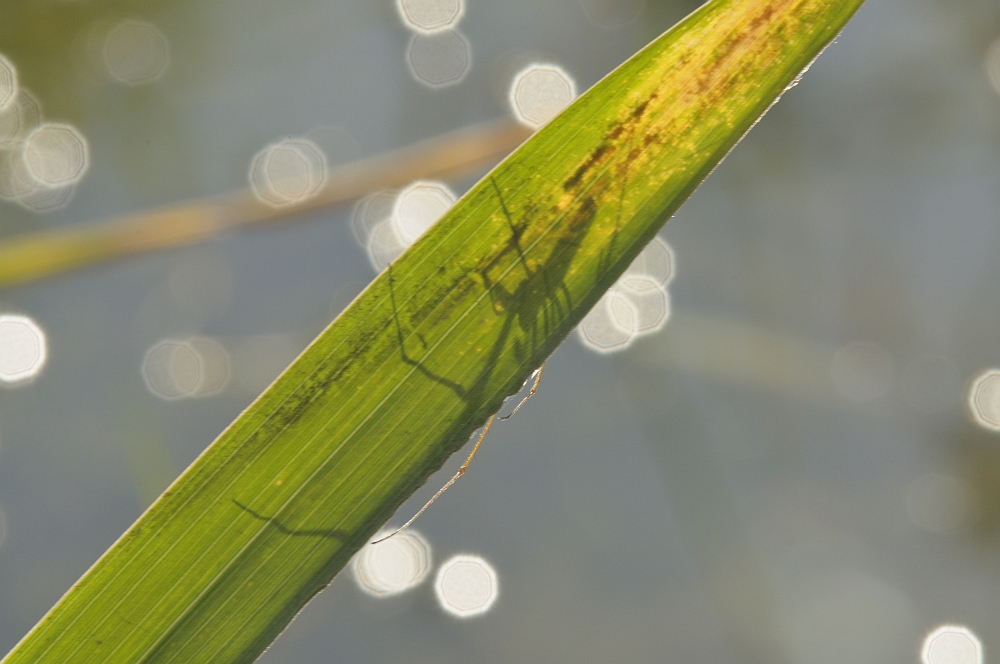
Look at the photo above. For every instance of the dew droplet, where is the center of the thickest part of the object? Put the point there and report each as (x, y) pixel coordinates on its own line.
(439, 60)
(23, 349)
(951, 644)
(394, 565)
(984, 399)
(539, 92)
(289, 172)
(136, 52)
(429, 16)
(466, 586)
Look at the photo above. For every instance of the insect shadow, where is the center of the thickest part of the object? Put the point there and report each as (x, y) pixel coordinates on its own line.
(538, 305)
(341, 536)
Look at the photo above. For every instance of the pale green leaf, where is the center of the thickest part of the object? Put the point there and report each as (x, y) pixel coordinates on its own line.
(217, 567)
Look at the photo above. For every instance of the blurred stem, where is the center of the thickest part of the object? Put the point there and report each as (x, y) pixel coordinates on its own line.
(48, 253)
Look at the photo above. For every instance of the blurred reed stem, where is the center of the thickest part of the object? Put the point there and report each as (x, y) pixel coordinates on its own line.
(35, 256)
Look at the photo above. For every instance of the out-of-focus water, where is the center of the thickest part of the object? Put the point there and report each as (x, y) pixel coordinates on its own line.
(795, 462)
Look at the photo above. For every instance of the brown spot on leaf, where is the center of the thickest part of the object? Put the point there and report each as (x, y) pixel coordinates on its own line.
(595, 156)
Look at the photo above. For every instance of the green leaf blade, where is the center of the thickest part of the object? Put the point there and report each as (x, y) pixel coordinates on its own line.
(216, 568)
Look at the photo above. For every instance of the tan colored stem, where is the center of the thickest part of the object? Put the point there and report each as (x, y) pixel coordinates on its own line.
(39, 255)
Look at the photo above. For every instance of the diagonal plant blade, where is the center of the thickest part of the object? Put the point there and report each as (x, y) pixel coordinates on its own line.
(216, 568)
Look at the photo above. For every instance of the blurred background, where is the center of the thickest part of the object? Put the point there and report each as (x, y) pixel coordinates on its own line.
(801, 466)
